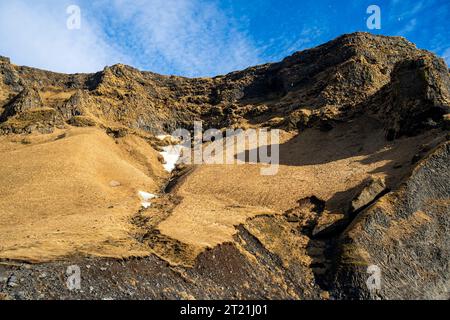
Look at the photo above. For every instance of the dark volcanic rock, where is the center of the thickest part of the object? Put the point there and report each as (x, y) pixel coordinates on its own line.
(416, 98)
(373, 188)
(406, 87)
(406, 234)
(4, 60)
(75, 106)
(28, 99)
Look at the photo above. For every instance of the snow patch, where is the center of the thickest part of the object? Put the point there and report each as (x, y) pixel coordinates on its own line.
(171, 155)
(146, 204)
(146, 197)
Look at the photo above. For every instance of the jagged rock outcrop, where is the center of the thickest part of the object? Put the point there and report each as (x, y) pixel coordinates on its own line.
(406, 234)
(417, 97)
(26, 113)
(315, 87)
(373, 188)
(9, 75)
(27, 99)
(75, 106)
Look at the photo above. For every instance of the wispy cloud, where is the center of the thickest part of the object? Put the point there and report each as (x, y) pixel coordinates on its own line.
(287, 44)
(306, 38)
(194, 37)
(411, 10)
(186, 37)
(197, 37)
(35, 34)
(405, 15)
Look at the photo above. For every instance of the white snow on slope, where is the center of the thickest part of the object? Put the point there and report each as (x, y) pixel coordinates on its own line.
(171, 155)
(146, 197)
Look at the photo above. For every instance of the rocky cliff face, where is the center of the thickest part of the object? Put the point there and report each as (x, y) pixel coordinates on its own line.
(407, 88)
(364, 181)
(405, 233)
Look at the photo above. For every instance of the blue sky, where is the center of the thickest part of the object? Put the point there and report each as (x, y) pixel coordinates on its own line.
(201, 37)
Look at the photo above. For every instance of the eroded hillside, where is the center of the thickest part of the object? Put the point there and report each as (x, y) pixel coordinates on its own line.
(364, 122)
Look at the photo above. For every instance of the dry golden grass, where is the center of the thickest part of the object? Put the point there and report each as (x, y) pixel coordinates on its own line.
(54, 95)
(329, 165)
(56, 197)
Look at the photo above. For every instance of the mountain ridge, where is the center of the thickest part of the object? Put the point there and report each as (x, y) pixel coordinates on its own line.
(361, 63)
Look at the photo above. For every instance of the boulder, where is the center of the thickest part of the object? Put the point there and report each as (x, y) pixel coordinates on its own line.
(373, 188)
(82, 121)
(329, 223)
(301, 118)
(446, 120)
(27, 99)
(75, 105)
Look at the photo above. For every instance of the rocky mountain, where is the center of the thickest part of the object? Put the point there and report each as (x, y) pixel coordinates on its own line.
(363, 179)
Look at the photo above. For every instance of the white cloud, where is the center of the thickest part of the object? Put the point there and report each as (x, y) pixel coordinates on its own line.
(36, 35)
(185, 37)
(402, 9)
(195, 37)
